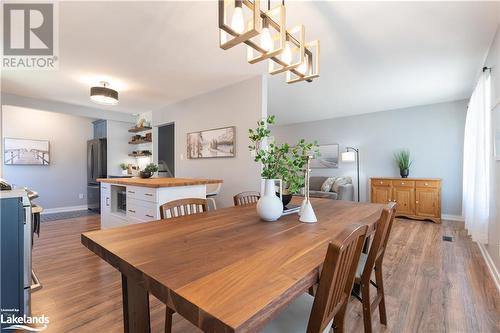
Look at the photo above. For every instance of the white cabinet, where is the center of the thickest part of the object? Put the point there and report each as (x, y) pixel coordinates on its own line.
(142, 203)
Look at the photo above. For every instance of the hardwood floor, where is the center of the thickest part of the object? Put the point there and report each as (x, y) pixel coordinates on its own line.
(431, 285)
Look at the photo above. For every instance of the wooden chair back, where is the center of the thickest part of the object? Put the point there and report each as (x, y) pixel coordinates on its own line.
(183, 207)
(337, 278)
(246, 198)
(379, 244)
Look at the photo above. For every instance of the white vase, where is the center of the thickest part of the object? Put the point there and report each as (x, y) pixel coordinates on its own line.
(269, 206)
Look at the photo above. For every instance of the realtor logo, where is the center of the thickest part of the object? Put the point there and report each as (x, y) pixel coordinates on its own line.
(29, 36)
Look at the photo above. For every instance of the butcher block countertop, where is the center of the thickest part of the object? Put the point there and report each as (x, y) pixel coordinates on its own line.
(159, 182)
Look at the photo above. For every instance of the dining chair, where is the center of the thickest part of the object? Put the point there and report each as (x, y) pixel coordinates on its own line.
(178, 208)
(327, 308)
(246, 198)
(183, 207)
(373, 261)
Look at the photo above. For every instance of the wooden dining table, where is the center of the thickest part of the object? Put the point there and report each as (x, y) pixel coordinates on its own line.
(223, 270)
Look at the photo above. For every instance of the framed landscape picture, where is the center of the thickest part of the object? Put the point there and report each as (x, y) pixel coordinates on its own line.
(329, 157)
(219, 142)
(26, 152)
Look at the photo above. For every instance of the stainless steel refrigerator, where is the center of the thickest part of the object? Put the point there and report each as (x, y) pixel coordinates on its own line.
(96, 168)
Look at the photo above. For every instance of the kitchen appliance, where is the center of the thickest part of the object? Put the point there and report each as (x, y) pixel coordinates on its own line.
(16, 265)
(96, 168)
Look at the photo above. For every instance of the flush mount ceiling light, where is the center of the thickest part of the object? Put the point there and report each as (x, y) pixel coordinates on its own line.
(104, 95)
(267, 37)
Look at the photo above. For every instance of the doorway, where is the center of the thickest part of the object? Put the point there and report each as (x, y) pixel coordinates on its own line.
(166, 150)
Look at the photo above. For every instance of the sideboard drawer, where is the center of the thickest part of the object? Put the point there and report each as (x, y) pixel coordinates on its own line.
(381, 182)
(141, 210)
(427, 183)
(403, 183)
(142, 193)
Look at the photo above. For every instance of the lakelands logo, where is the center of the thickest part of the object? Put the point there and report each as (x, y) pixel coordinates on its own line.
(30, 36)
(26, 323)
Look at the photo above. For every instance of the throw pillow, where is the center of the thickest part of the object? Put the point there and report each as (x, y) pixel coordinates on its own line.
(339, 182)
(327, 184)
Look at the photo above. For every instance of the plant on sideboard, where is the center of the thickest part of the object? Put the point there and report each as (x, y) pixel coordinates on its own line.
(404, 162)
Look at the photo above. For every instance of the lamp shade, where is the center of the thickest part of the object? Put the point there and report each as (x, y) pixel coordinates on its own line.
(104, 95)
(348, 156)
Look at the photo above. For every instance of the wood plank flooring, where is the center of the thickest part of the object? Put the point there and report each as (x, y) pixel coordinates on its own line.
(431, 285)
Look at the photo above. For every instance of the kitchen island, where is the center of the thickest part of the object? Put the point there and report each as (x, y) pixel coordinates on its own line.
(126, 201)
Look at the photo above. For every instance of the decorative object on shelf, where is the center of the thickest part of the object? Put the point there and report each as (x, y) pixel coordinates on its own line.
(306, 213)
(219, 142)
(139, 129)
(104, 95)
(404, 162)
(149, 170)
(283, 161)
(138, 139)
(328, 157)
(270, 206)
(140, 153)
(268, 38)
(352, 155)
(26, 152)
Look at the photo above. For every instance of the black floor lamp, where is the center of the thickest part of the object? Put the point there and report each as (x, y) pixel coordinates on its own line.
(352, 155)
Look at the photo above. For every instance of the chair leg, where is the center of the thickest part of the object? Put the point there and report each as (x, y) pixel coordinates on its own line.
(380, 291)
(367, 313)
(168, 320)
(212, 200)
(339, 319)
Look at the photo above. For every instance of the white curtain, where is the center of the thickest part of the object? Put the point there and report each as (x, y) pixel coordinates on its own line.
(477, 162)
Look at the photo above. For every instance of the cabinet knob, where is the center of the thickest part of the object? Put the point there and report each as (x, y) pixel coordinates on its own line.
(416, 202)
(130, 191)
(426, 184)
(403, 183)
(148, 194)
(149, 215)
(131, 210)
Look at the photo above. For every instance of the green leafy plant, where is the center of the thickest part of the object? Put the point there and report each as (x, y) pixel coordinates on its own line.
(123, 166)
(403, 160)
(280, 161)
(151, 167)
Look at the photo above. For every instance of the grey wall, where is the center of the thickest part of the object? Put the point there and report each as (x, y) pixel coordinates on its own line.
(239, 105)
(60, 183)
(433, 133)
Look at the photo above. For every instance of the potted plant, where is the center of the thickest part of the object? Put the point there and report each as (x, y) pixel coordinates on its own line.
(279, 161)
(404, 162)
(149, 170)
(124, 168)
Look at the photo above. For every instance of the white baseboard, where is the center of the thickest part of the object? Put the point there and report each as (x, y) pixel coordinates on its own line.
(64, 209)
(456, 218)
(491, 265)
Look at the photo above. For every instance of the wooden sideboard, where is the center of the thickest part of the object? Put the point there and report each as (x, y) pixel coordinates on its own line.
(416, 198)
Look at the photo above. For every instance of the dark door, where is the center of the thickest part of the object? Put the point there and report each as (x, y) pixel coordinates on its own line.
(166, 150)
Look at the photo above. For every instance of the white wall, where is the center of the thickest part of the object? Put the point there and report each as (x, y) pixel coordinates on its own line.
(239, 105)
(117, 146)
(432, 133)
(59, 184)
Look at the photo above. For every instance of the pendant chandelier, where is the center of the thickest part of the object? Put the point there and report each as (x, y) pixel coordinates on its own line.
(267, 38)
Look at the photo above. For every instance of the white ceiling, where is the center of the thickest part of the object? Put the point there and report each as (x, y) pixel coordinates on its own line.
(374, 55)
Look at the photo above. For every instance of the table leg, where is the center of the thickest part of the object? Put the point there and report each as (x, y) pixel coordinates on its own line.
(135, 307)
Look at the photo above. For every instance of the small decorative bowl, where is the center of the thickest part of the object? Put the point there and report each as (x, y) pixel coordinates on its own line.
(145, 174)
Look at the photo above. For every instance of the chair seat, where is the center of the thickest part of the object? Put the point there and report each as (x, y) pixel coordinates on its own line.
(294, 318)
(361, 265)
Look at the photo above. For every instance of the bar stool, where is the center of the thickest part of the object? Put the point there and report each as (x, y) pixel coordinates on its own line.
(212, 191)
